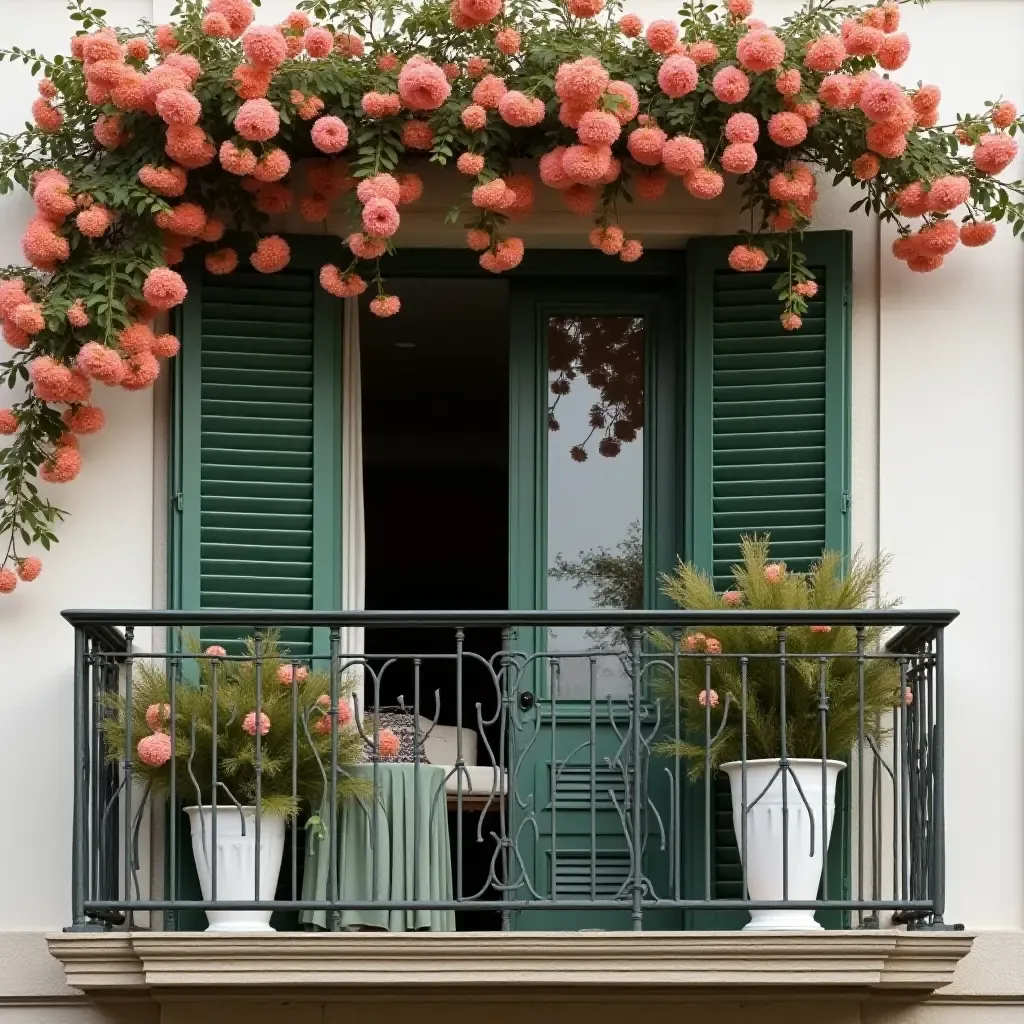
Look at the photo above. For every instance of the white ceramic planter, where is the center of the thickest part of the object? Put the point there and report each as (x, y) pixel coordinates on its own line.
(764, 861)
(236, 863)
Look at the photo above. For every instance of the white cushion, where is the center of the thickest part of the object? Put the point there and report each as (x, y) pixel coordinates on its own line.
(442, 744)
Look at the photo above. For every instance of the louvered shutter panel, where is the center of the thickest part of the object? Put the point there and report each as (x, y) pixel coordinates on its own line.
(260, 396)
(770, 452)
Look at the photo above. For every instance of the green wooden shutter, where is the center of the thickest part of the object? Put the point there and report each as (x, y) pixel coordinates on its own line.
(258, 403)
(769, 453)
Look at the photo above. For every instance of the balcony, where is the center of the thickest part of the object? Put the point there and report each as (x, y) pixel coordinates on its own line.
(510, 773)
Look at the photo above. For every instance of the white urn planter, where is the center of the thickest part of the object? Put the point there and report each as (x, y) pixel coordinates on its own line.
(236, 863)
(764, 861)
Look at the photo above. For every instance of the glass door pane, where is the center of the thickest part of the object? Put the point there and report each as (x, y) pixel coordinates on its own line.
(595, 489)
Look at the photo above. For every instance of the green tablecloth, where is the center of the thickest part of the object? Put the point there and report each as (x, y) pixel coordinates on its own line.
(413, 852)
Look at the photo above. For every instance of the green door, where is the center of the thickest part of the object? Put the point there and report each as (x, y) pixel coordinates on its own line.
(594, 413)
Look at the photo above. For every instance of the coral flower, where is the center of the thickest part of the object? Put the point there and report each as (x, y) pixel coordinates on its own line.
(608, 239)
(885, 141)
(733, 598)
(178, 106)
(28, 317)
(702, 53)
(678, 76)
(582, 82)
(8, 422)
(730, 85)
(808, 289)
(1004, 114)
(318, 42)
(586, 165)
(380, 104)
(470, 163)
(8, 581)
(488, 91)
(681, 155)
(774, 571)
(580, 199)
(894, 51)
(186, 219)
(29, 569)
(77, 315)
(739, 158)
(287, 674)
(760, 51)
(164, 181)
(476, 238)
(994, 152)
(662, 35)
(42, 246)
(585, 8)
(385, 306)
(155, 750)
(140, 371)
(706, 697)
(417, 135)
(825, 54)
(423, 86)
(507, 255)
(157, 716)
(645, 145)
(235, 160)
(631, 25)
(861, 40)
(473, 117)
(938, 239)
(272, 254)
(787, 129)
(107, 131)
(625, 100)
(492, 196)
(249, 724)
(651, 185)
(216, 26)
(94, 222)
(787, 83)
(188, 146)
(508, 41)
(882, 99)
(164, 288)
(273, 166)
(948, 192)
(791, 322)
(265, 47)
(631, 251)
(165, 38)
(704, 183)
(251, 83)
(62, 467)
(166, 346)
(100, 363)
(221, 261)
(974, 233)
(329, 134)
(380, 218)
(748, 259)
(380, 186)
(348, 44)
(742, 128)
(387, 62)
(552, 173)
(521, 111)
(388, 745)
(366, 248)
(598, 128)
(836, 92)
(48, 118)
(258, 121)
(865, 167)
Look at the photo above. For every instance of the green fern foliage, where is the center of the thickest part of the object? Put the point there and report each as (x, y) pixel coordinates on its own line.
(711, 658)
(297, 742)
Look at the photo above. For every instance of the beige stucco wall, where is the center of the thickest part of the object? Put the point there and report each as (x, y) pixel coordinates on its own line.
(938, 413)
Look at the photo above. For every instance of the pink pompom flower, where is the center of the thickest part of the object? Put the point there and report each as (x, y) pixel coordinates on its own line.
(249, 724)
(1004, 114)
(646, 144)
(742, 128)
(788, 82)
(380, 104)
(318, 42)
(154, 751)
(825, 54)
(994, 152)
(739, 158)
(385, 305)
(733, 598)
(662, 35)
(730, 85)
(631, 25)
(380, 218)
(787, 129)
(706, 697)
(976, 233)
(681, 155)
(748, 259)
(29, 568)
(8, 422)
(265, 47)
(258, 121)
(164, 288)
(222, 261)
(423, 86)
(271, 255)
(703, 53)
(287, 674)
(473, 117)
(774, 571)
(417, 135)
(329, 134)
(704, 183)
(157, 716)
(948, 192)
(894, 51)
(678, 76)
(760, 51)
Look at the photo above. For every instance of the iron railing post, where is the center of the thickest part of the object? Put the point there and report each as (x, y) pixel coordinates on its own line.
(938, 851)
(78, 826)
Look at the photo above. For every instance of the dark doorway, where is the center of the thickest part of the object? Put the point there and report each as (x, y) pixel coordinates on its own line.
(435, 446)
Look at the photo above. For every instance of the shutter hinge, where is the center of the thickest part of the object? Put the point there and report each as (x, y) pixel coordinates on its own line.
(178, 502)
(846, 502)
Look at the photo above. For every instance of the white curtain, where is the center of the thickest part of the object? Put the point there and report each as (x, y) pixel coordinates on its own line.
(353, 533)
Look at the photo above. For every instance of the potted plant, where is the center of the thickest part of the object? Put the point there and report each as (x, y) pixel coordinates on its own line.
(712, 710)
(294, 701)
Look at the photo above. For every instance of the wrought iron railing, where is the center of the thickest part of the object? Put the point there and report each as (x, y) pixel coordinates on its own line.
(585, 805)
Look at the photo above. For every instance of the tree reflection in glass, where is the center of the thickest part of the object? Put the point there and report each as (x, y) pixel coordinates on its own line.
(595, 505)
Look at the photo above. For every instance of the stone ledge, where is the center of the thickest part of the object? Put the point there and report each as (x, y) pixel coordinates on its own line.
(172, 964)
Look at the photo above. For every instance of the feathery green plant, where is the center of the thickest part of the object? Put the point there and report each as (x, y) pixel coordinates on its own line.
(760, 584)
(236, 748)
